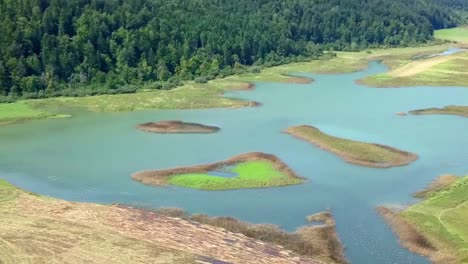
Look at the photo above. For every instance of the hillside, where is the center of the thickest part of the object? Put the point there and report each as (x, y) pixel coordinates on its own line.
(87, 47)
(36, 229)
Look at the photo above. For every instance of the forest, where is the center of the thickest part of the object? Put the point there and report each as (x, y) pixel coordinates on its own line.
(86, 47)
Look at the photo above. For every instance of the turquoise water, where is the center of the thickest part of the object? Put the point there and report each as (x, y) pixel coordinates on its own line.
(90, 157)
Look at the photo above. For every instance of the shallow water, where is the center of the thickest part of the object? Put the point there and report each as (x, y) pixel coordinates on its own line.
(90, 157)
(448, 52)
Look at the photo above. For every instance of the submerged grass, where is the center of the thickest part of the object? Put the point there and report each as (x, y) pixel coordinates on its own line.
(441, 220)
(253, 174)
(355, 152)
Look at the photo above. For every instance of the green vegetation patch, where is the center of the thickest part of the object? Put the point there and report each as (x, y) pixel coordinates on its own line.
(355, 152)
(448, 110)
(459, 34)
(18, 112)
(448, 70)
(245, 171)
(252, 174)
(441, 218)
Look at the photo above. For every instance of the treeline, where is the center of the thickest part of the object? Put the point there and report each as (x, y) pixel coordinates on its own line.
(85, 47)
(456, 4)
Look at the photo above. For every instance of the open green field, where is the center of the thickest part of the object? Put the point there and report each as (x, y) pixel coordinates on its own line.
(442, 219)
(355, 152)
(20, 111)
(448, 110)
(459, 34)
(252, 174)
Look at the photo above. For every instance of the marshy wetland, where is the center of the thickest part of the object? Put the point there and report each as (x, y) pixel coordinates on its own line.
(91, 156)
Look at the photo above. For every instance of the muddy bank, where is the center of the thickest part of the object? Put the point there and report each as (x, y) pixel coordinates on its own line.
(438, 184)
(318, 241)
(177, 127)
(409, 235)
(324, 236)
(160, 177)
(298, 80)
(355, 152)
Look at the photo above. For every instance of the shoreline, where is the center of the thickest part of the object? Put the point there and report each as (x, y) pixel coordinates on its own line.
(408, 235)
(211, 94)
(434, 227)
(391, 157)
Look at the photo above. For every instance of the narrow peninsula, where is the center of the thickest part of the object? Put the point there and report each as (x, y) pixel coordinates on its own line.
(448, 110)
(435, 227)
(177, 127)
(355, 152)
(250, 170)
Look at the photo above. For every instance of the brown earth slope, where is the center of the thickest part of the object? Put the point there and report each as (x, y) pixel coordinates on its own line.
(35, 229)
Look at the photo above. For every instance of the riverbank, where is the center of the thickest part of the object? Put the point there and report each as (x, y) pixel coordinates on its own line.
(36, 229)
(355, 152)
(435, 227)
(193, 95)
(319, 241)
(448, 110)
(246, 171)
(434, 69)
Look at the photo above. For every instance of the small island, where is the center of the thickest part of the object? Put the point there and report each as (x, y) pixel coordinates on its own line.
(177, 127)
(355, 152)
(448, 110)
(436, 227)
(245, 171)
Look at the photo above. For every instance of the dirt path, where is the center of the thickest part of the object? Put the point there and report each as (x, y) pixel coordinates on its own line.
(416, 67)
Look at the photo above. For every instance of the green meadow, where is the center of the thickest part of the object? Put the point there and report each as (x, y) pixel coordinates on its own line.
(251, 174)
(442, 219)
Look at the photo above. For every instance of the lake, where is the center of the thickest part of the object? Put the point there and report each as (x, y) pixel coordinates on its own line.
(90, 157)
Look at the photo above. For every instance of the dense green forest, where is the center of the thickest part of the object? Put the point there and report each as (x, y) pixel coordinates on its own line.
(85, 47)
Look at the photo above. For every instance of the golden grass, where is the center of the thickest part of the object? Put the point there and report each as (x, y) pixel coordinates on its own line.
(35, 229)
(355, 152)
(318, 241)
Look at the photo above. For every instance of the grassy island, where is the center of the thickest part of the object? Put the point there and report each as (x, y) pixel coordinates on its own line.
(177, 127)
(250, 170)
(37, 229)
(435, 227)
(448, 110)
(355, 152)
